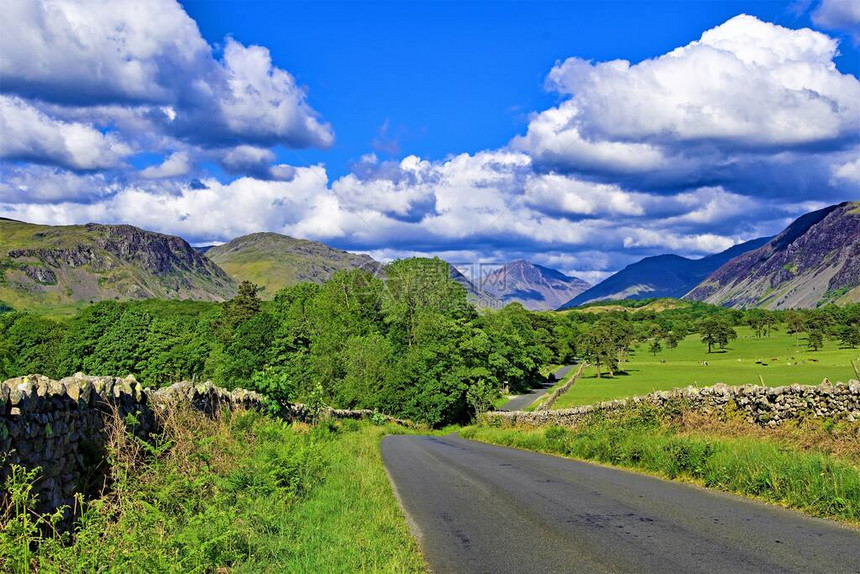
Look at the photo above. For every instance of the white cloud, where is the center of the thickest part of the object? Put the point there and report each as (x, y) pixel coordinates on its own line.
(718, 141)
(572, 196)
(745, 86)
(150, 56)
(30, 134)
(176, 164)
(848, 172)
(43, 184)
(244, 158)
(839, 15)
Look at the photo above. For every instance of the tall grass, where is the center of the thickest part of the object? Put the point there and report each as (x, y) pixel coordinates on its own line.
(815, 482)
(240, 493)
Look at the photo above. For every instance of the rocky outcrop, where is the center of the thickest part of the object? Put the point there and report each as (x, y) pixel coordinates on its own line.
(763, 406)
(43, 265)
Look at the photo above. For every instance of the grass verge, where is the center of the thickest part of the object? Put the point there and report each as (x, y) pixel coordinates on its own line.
(773, 469)
(243, 493)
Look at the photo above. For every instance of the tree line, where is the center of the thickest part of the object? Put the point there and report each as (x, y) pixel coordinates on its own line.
(411, 346)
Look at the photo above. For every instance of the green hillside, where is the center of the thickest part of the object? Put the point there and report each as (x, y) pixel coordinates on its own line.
(274, 261)
(60, 268)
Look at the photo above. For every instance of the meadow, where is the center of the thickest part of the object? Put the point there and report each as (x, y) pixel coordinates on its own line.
(780, 359)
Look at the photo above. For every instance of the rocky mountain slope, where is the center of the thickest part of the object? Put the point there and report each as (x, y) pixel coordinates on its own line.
(660, 276)
(477, 296)
(44, 266)
(274, 261)
(536, 287)
(815, 260)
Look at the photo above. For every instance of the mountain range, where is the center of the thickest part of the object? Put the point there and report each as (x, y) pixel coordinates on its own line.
(660, 276)
(815, 260)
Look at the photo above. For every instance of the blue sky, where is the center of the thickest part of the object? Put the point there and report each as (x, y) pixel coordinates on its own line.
(579, 135)
(438, 78)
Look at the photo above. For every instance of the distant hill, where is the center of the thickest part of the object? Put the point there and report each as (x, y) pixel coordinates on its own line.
(660, 276)
(815, 260)
(478, 297)
(536, 287)
(274, 261)
(50, 267)
(632, 306)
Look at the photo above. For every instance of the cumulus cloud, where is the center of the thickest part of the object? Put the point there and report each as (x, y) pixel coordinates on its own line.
(848, 172)
(746, 88)
(149, 58)
(839, 15)
(176, 164)
(29, 134)
(43, 184)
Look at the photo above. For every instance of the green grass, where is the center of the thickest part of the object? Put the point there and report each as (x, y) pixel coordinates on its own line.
(815, 482)
(787, 363)
(245, 494)
(351, 522)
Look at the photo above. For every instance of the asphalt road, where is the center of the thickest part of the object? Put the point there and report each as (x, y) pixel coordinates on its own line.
(481, 508)
(522, 401)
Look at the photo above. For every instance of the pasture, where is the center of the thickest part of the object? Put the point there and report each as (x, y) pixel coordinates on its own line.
(780, 359)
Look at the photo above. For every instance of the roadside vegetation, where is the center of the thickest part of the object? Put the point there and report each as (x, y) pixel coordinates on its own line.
(811, 465)
(241, 493)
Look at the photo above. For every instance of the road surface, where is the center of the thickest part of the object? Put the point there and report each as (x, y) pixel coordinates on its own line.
(521, 402)
(475, 507)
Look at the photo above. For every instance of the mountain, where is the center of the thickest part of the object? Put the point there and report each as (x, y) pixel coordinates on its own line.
(815, 260)
(660, 276)
(478, 297)
(44, 266)
(274, 261)
(538, 288)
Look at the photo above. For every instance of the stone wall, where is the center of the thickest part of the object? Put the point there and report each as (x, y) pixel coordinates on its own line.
(763, 406)
(547, 404)
(60, 426)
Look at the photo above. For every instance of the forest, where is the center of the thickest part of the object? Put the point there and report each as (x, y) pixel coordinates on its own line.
(411, 346)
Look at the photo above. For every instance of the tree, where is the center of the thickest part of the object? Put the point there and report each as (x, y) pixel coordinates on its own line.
(815, 339)
(599, 349)
(29, 344)
(795, 325)
(849, 335)
(656, 347)
(240, 308)
(756, 319)
(716, 331)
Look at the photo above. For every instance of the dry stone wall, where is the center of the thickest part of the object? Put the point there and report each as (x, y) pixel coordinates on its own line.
(763, 406)
(60, 426)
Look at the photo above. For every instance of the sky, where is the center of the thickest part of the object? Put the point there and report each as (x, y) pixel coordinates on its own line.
(578, 135)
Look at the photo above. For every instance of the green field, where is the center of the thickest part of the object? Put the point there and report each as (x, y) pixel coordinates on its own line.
(785, 362)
